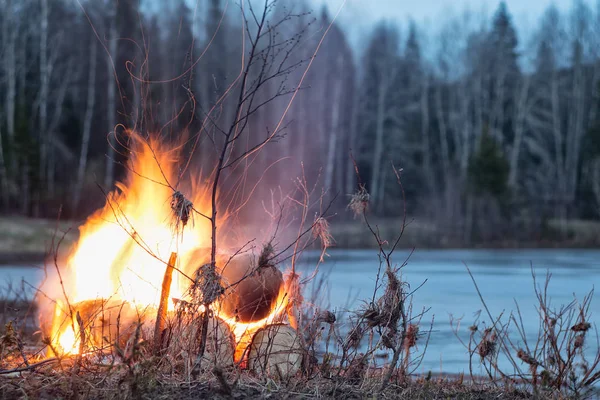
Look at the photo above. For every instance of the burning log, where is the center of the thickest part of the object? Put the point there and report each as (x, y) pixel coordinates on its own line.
(251, 290)
(275, 350)
(220, 342)
(105, 322)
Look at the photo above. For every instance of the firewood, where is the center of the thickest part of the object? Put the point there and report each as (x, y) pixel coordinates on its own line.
(106, 322)
(220, 345)
(251, 290)
(276, 351)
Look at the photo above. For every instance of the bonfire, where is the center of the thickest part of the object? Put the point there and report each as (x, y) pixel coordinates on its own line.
(141, 272)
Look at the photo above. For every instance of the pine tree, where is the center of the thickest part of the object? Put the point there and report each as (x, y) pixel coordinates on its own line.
(488, 168)
(503, 42)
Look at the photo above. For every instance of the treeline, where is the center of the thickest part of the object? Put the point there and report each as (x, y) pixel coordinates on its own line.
(495, 136)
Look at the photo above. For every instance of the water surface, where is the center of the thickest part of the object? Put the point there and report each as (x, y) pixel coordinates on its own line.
(503, 276)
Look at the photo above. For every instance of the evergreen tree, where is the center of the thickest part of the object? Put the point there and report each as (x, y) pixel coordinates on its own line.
(503, 42)
(412, 55)
(488, 168)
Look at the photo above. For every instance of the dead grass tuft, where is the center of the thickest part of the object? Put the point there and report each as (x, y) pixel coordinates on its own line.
(359, 201)
(207, 287)
(182, 210)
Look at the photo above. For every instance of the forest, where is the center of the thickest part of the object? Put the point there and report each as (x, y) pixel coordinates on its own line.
(497, 136)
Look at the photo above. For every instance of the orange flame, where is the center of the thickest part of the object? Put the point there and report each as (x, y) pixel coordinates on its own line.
(122, 248)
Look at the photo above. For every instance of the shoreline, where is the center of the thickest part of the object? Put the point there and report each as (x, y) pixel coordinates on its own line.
(28, 259)
(27, 240)
(17, 259)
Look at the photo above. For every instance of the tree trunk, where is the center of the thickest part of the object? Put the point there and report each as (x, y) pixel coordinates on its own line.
(44, 89)
(468, 228)
(378, 152)
(112, 81)
(425, 145)
(339, 165)
(558, 149)
(22, 173)
(443, 133)
(351, 173)
(519, 127)
(25, 199)
(3, 176)
(497, 117)
(380, 196)
(59, 98)
(10, 36)
(595, 173)
(575, 135)
(87, 124)
(333, 134)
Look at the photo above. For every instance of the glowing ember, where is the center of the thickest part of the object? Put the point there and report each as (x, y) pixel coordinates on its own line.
(122, 251)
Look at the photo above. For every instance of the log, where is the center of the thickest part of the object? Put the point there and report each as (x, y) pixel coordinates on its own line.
(251, 291)
(106, 322)
(220, 342)
(275, 351)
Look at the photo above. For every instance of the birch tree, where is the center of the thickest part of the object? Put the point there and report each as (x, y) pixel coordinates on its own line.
(87, 123)
(44, 89)
(380, 117)
(111, 21)
(561, 122)
(9, 38)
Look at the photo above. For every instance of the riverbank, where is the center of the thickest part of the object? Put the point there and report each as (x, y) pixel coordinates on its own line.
(422, 234)
(28, 240)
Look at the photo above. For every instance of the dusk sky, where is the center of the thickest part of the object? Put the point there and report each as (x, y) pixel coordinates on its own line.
(358, 15)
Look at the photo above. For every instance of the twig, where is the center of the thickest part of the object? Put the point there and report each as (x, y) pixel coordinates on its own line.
(77, 365)
(31, 367)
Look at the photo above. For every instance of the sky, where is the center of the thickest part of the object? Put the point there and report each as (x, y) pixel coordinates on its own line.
(358, 15)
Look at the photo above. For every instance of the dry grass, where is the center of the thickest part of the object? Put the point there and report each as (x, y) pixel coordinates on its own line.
(97, 386)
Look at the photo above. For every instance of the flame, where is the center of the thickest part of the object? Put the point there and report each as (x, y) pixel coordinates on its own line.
(122, 247)
(244, 332)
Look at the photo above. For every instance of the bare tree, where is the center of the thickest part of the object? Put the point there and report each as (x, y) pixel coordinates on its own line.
(380, 116)
(332, 145)
(522, 109)
(266, 59)
(9, 38)
(562, 113)
(3, 176)
(44, 91)
(111, 92)
(87, 124)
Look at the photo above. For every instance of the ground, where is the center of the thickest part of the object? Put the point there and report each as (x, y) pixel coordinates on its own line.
(66, 385)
